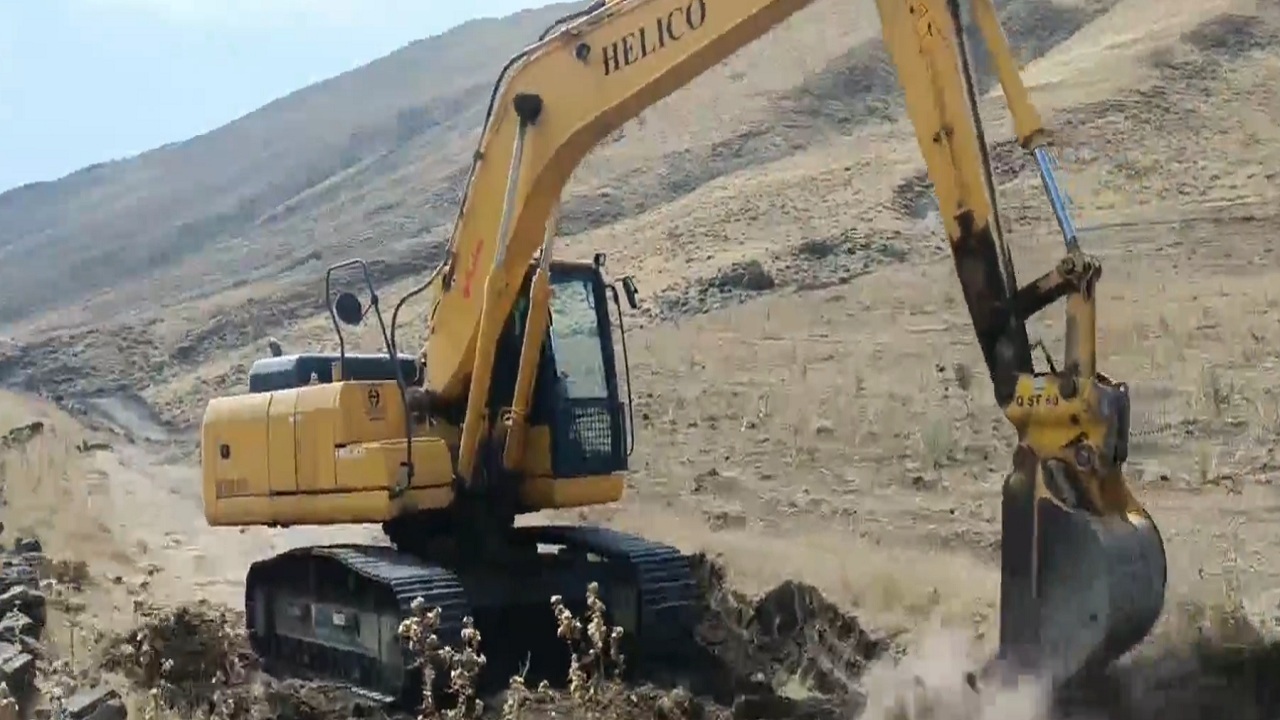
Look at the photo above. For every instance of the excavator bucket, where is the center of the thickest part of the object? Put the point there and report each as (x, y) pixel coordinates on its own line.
(1078, 588)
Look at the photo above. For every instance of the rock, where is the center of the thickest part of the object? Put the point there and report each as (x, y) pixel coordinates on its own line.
(9, 709)
(87, 446)
(31, 646)
(23, 434)
(100, 703)
(769, 706)
(13, 574)
(763, 707)
(16, 625)
(27, 545)
(17, 668)
(750, 276)
(25, 600)
(113, 710)
(677, 705)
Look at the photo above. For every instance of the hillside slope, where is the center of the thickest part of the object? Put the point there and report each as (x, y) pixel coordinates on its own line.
(118, 221)
(813, 176)
(377, 156)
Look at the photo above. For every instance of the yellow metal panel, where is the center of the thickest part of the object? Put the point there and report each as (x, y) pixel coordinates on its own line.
(548, 492)
(315, 418)
(537, 452)
(282, 453)
(337, 508)
(368, 412)
(233, 447)
(369, 466)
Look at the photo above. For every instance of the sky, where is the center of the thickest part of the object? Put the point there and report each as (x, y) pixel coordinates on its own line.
(86, 81)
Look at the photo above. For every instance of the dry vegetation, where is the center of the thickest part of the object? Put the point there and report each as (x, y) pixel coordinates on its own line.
(809, 401)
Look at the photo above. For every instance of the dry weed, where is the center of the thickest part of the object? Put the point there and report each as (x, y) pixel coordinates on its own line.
(1225, 620)
(518, 696)
(462, 666)
(188, 658)
(937, 443)
(1216, 392)
(596, 662)
(594, 673)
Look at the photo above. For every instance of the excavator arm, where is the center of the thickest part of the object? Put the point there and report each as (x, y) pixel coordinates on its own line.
(1083, 566)
(1083, 569)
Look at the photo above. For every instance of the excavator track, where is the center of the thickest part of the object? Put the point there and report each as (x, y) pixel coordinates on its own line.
(332, 612)
(665, 588)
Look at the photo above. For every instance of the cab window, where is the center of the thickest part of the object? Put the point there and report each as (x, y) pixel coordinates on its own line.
(575, 339)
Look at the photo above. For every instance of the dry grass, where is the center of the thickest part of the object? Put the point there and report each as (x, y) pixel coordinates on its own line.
(188, 657)
(461, 667)
(593, 677)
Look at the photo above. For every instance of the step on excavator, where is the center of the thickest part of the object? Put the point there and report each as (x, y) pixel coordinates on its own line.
(516, 403)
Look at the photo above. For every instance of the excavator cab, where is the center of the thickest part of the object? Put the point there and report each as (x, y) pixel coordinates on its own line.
(578, 393)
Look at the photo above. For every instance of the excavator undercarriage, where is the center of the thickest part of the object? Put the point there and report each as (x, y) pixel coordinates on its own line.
(334, 612)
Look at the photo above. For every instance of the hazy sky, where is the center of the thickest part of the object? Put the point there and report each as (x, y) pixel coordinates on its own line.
(84, 81)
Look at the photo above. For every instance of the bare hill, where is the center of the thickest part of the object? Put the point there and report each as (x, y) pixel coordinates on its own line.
(377, 156)
(122, 221)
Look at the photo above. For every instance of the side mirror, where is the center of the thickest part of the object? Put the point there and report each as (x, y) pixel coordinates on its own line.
(348, 308)
(629, 288)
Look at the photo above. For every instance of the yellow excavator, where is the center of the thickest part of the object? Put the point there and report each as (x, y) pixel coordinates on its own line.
(515, 403)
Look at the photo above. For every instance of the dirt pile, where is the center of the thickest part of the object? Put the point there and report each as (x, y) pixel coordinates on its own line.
(32, 586)
(31, 680)
(790, 650)
(23, 617)
(194, 660)
(1214, 662)
(187, 654)
(1206, 663)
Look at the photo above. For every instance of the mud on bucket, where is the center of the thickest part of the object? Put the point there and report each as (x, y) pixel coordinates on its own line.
(1078, 589)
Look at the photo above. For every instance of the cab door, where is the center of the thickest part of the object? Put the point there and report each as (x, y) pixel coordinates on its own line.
(588, 435)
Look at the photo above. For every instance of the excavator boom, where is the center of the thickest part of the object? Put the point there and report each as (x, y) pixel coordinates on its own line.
(584, 80)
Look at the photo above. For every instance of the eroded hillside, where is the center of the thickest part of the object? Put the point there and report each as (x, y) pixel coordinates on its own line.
(318, 174)
(781, 181)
